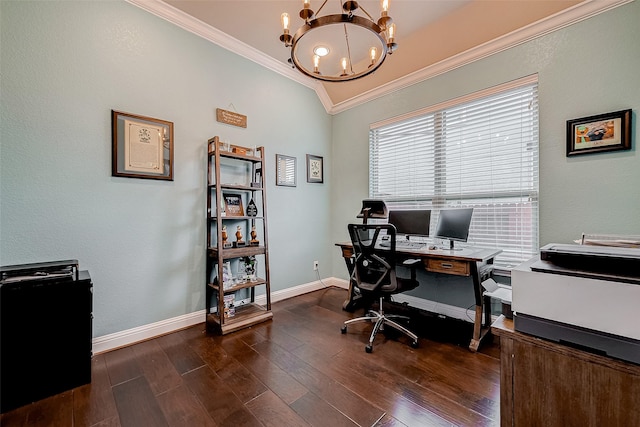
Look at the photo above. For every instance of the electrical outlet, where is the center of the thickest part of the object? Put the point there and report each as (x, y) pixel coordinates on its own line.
(315, 265)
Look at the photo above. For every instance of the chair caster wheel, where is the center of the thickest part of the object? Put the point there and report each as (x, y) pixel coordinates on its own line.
(368, 348)
(343, 329)
(414, 344)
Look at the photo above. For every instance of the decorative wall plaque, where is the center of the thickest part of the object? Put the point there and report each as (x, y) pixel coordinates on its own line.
(231, 118)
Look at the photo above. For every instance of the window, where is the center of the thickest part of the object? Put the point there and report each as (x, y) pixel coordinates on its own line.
(480, 151)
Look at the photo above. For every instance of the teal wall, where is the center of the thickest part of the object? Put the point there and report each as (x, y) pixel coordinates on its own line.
(585, 69)
(64, 67)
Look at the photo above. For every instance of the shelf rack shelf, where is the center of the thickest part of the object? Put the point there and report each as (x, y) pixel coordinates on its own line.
(221, 316)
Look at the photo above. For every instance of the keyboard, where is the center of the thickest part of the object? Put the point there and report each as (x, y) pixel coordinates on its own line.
(403, 244)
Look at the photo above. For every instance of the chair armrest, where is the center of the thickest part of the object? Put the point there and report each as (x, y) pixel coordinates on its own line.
(412, 263)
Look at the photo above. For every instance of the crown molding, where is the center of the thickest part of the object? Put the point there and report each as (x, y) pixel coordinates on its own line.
(560, 20)
(522, 35)
(189, 23)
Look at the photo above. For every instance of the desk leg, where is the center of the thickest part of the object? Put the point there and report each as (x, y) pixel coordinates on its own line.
(479, 330)
(354, 298)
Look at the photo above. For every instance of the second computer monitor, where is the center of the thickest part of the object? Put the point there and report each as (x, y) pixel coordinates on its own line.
(411, 222)
(453, 225)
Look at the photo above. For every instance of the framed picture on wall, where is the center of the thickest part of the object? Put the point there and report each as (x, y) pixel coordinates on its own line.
(285, 170)
(142, 147)
(601, 133)
(314, 169)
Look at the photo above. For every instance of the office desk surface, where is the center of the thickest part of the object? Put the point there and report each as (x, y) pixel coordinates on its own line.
(476, 263)
(468, 253)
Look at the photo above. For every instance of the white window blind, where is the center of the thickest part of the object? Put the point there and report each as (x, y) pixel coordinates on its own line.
(480, 152)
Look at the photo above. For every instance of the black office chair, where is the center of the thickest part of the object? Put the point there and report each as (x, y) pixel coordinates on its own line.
(375, 274)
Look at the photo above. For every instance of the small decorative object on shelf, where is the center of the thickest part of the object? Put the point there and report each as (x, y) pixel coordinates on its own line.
(257, 177)
(252, 209)
(236, 174)
(250, 268)
(254, 241)
(229, 306)
(233, 205)
(239, 150)
(239, 242)
(225, 243)
(227, 277)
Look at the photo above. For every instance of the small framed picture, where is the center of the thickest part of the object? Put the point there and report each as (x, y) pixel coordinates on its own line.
(142, 147)
(233, 205)
(285, 170)
(314, 169)
(601, 133)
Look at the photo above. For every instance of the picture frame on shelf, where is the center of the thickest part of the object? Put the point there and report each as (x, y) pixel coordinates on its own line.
(233, 204)
(315, 169)
(285, 170)
(142, 147)
(599, 133)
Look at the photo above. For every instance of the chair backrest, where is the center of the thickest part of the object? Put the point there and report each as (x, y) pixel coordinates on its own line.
(374, 266)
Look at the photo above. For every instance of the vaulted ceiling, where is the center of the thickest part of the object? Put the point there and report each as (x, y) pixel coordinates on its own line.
(434, 36)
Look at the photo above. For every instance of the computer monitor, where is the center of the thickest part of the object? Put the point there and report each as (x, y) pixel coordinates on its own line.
(453, 225)
(411, 222)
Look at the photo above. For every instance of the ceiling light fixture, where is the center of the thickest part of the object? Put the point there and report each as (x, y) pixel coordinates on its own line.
(321, 51)
(355, 45)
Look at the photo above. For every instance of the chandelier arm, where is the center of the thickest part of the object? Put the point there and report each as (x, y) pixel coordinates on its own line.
(320, 9)
(366, 13)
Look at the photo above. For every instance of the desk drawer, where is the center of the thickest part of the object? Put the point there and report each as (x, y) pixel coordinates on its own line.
(458, 268)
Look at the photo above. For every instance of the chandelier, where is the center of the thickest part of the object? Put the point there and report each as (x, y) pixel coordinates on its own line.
(339, 47)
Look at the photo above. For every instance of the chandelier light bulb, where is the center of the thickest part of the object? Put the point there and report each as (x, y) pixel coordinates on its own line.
(392, 32)
(343, 61)
(373, 52)
(384, 5)
(285, 22)
(316, 64)
(307, 3)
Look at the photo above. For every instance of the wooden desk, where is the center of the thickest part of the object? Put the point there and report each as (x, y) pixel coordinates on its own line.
(543, 383)
(472, 262)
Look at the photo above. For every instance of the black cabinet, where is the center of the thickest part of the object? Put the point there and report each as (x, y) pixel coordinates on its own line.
(45, 333)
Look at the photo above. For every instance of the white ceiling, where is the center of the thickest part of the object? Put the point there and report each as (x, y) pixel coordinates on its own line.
(434, 36)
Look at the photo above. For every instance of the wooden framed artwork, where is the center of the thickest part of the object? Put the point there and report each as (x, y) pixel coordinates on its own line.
(314, 169)
(142, 146)
(233, 205)
(601, 133)
(285, 170)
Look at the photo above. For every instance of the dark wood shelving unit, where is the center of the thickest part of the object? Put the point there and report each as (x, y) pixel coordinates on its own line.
(254, 308)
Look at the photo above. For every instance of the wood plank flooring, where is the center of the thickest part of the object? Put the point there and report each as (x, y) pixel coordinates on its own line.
(296, 370)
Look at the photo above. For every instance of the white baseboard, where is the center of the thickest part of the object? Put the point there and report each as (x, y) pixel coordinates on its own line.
(141, 333)
(145, 332)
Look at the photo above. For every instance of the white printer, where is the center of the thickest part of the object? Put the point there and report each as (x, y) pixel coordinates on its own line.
(583, 296)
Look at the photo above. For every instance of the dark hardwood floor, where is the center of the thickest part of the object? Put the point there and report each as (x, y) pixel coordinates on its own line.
(296, 370)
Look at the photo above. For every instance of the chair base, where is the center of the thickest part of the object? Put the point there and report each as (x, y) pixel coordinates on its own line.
(380, 320)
